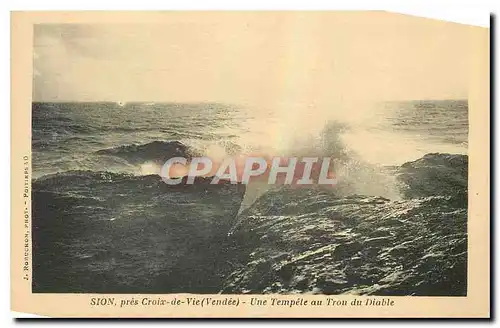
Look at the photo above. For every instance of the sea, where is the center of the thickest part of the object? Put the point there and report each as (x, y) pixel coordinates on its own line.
(105, 222)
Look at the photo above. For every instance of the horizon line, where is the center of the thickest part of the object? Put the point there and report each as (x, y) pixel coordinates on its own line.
(215, 102)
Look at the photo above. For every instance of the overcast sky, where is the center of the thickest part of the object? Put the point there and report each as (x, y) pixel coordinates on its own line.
(253, 58)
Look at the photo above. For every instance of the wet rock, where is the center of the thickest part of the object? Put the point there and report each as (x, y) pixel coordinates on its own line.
(359, 244)
(347, 250)
(435, 174)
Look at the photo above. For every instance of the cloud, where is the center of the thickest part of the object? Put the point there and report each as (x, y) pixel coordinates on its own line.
(263, 59)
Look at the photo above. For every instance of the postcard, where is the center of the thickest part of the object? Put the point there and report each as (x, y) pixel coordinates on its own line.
(249, 164)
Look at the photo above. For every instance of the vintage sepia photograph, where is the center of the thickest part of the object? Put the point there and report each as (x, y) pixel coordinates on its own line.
(251, 153)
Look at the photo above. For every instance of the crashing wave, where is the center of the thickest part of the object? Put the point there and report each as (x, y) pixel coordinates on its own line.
(157, 151)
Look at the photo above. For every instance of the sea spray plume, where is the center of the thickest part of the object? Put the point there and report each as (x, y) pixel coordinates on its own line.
(348, 166)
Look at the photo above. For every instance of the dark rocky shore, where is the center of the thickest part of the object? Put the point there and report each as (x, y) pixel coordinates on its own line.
(296, 241)
(115, 233)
